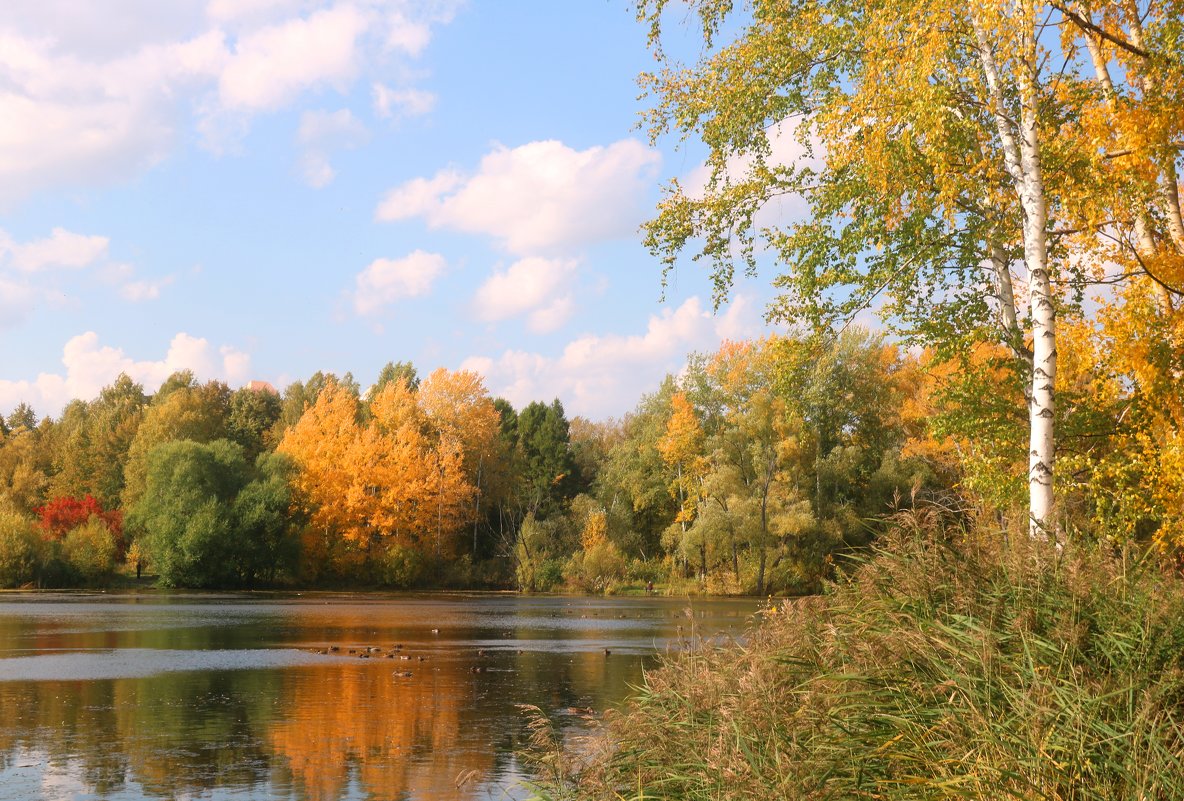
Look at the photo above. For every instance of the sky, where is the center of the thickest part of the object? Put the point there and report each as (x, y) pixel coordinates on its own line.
(261, 189)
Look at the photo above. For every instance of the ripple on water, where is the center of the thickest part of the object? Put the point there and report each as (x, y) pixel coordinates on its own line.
(124, 663)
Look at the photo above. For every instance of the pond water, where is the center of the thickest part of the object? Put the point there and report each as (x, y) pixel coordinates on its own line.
(179, 696)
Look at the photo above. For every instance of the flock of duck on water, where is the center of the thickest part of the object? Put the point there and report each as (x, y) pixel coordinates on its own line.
(396, 652)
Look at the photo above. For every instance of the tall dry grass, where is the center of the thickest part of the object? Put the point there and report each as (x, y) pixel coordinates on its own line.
(949, 664)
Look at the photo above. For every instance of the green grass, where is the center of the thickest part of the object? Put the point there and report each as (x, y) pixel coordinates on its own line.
(947, 665)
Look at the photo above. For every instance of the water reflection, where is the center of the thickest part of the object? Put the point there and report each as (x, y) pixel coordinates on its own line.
(229, 697)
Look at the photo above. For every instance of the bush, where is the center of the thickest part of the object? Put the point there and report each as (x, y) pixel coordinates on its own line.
(646, 570)
(91, 551)
(21, 549)
(943, 667)
(595, 569)
(550, 575)
(401, 566)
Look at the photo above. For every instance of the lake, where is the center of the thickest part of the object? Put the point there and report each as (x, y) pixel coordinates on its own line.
(229, 696)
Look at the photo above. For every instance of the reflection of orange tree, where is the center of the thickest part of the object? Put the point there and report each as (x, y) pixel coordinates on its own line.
(401, 734)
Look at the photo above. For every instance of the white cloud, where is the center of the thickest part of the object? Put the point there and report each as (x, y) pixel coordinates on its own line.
(550, 318)
(321, 132)
(231, 11)
(407, 35)
(542, 197)
(91, 96)
(272, 65)
(71, 120)
(61, 248)
(103, 30)
(388, 280)
(89, 366)
(138, 291)
(401, 102)
(536, 285)
(595, 374)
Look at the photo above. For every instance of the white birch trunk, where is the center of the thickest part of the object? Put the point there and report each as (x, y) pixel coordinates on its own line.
(1021, 148)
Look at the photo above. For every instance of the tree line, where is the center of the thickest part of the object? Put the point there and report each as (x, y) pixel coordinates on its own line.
(753, 470)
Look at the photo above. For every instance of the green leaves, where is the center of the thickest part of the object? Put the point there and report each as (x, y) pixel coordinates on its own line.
(207, 523)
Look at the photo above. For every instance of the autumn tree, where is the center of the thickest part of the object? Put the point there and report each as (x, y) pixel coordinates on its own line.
(330, 486)
(61, 515)
(25, 466)
(462, 418)
(681, 447)
(635, 480)
(944, 186)
(181, 410)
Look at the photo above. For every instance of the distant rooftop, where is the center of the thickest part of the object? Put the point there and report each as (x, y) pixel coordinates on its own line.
(262, 386)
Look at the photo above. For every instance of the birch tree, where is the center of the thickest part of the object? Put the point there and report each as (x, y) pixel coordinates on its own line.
(938, 148)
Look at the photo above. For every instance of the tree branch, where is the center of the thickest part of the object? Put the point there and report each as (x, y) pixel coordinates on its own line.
(1086, 25)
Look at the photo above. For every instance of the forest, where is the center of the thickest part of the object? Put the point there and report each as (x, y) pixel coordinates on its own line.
(757, 469)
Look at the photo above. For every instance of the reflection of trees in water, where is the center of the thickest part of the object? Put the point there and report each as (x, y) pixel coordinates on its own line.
(401, 735)
(313, 732)
(170, 733)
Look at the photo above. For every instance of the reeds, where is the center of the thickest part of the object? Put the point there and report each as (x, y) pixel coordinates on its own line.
(946, 665)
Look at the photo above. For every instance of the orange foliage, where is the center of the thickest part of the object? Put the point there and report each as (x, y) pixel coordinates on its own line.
(401, 735)
(408, 477)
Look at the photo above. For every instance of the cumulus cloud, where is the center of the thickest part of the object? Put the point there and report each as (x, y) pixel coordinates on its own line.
(232, 11)
(85, 102)
(595, 374)
(539, 286)
(61, 248)
(272, 65)
(142, 290)
(539, 198)
(74, 120)
(386, 281)
(89, 366)
(322, 132)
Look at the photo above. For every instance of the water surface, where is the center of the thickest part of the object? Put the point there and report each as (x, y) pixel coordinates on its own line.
(179, 696)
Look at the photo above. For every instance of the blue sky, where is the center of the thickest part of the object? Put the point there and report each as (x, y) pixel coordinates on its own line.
(259, 189)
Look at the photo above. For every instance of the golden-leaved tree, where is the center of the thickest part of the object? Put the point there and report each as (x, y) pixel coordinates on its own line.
(405, 477)
(958, 163)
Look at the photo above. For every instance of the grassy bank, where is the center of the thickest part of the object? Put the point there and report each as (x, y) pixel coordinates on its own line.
(945, 666)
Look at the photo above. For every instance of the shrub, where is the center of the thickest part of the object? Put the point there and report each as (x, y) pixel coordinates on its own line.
(595, 569)
(401, 566)
(91, 551)
(21, 549)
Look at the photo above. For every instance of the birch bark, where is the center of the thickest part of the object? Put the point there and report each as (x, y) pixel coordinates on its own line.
(1021, 148)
